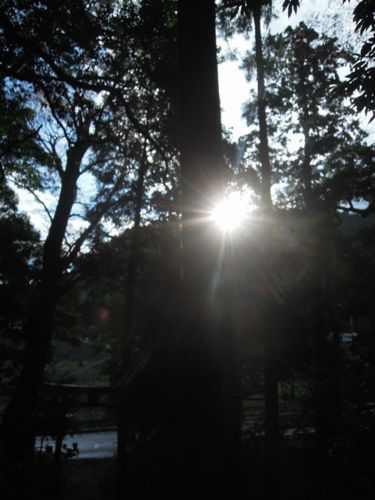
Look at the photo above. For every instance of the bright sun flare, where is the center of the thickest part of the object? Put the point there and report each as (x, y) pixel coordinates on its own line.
(230, 213)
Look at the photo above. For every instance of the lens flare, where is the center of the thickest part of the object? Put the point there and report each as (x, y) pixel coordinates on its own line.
(230, 213)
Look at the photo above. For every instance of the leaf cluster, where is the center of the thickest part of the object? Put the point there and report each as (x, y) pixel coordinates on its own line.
(309, 121)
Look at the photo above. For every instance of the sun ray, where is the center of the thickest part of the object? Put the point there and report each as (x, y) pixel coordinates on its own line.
(230, 213)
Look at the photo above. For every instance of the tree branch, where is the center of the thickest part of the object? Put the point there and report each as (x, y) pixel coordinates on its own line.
(76, 247)
(30, 46)
(38, 199)
(363, 212)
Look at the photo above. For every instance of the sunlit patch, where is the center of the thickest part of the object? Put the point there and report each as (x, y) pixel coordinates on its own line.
(230, 213)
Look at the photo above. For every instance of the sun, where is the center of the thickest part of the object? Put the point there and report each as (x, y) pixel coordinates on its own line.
(230, 213)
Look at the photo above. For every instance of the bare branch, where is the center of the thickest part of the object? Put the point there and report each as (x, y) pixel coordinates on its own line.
(57, 160)
(56, 117)
(76, 247)
(38, 199)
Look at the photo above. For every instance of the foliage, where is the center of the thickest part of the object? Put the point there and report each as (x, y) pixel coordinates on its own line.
(19, 269)
(235, 16)
(94, 308)
(291, 5)
(315, 135)
(361, 80)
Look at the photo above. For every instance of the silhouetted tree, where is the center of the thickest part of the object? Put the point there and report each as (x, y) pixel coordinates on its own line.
(19, 265)
(54, 67)
(242, 13)
(17, 426)
(331, 163)
(208, 405)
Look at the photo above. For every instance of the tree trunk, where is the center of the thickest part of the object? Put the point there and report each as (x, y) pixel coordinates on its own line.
(135, 245)
(269, 322)
(263, 131)
(127, 340)
(18, 423)
(207, 396)
(319, 235)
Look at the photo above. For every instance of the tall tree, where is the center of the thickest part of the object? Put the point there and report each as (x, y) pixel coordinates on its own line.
(208, 407)
(70, 71)
(270, 308)
(317, 144)
(321, 159)
(39, 327)
(242, 13)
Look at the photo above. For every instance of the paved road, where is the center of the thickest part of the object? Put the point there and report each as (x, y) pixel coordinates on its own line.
(91, 445)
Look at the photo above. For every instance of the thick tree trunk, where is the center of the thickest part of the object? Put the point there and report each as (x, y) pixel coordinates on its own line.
(208, 405)
(18, 423)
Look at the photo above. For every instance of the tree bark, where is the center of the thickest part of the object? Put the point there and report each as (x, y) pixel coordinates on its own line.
(18, 424)
(207, 433)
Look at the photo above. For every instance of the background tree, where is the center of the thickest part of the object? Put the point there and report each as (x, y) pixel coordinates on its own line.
(321, 158)
(58, 68)
(40, 324)
(360, 81)
(19, 263)
(242, 13)
(331, 146)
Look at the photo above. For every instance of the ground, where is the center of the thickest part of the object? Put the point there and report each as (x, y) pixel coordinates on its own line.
(87, 480)
(301, 473)
(92, 479)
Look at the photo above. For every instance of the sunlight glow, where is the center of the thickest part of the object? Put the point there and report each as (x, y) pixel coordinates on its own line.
(230, 213)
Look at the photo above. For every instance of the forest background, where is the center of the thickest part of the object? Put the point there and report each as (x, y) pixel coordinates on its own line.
(111, 122)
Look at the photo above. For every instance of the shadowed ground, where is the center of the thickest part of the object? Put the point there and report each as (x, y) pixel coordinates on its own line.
(87, 479)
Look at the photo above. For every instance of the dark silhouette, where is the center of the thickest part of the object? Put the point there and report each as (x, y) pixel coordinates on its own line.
(207, 411)
(40, 325)
(70, 452)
